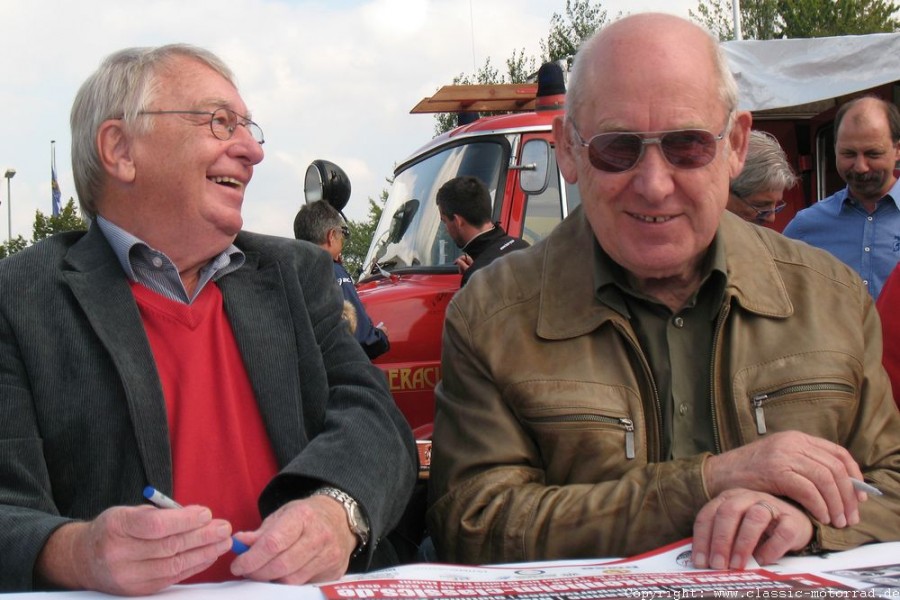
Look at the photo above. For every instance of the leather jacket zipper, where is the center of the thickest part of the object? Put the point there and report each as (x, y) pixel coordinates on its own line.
(759, 400)
(626, 424)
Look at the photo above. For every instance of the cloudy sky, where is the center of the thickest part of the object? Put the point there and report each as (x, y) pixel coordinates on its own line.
(332, 79)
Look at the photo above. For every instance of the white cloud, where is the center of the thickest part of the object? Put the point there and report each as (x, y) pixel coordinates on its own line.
(325, 79)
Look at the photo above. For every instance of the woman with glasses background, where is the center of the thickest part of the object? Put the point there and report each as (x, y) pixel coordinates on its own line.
(756, 193)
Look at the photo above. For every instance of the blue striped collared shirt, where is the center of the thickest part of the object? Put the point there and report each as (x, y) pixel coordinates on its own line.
(153, 269)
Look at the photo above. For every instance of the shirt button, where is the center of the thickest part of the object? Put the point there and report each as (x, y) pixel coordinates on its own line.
(682, 409)
(867, 249)
(870, 218)
(157, 262)
(678, 322)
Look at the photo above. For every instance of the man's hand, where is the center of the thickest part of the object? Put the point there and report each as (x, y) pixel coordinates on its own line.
(463, 263)
(739, 523)
(811, 471)
(134, 550)
(304, 541)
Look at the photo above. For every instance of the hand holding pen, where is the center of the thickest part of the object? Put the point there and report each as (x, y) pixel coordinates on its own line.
(134, 550)
(159, 499)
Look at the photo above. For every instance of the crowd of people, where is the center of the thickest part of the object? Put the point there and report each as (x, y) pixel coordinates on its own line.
(678, 370)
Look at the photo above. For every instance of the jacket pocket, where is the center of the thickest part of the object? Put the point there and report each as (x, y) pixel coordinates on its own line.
(797, 393)
(583, 431)
(615, 423)
(813, 392)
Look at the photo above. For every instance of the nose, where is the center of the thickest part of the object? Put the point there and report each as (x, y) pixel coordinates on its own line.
(245, 147)
(860, 163)
(653, 174)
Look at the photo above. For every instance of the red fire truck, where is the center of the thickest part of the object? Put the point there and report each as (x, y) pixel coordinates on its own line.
(793, 88)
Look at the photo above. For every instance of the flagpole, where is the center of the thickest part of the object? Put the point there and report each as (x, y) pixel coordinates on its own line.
(54, 184)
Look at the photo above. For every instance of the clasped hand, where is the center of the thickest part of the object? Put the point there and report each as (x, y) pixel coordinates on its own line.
(760, 492)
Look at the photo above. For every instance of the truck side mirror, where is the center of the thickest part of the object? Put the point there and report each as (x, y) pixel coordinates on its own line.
(326, 181)
(534, 166)
(401, 220)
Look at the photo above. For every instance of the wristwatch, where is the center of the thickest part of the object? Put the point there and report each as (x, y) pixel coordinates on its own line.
(355, 517)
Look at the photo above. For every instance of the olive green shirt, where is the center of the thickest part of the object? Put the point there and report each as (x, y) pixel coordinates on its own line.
(678, 347)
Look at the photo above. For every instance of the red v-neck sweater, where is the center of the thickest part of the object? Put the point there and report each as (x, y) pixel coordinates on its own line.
(221, 454)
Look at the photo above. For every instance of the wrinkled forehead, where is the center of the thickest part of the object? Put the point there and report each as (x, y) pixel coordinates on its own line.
(195, 84)
(653, 75)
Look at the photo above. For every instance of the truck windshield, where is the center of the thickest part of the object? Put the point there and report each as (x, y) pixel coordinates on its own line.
(410, 233)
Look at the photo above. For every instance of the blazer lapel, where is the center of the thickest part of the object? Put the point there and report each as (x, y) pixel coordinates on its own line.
(102, 291)
(261, 319)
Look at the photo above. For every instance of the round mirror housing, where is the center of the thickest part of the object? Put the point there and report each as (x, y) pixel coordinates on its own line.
(326, 181)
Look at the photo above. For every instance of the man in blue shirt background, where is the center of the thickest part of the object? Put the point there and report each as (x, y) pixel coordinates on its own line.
(860, 224)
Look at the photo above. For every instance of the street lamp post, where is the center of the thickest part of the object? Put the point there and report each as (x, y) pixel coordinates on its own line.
(10, 173)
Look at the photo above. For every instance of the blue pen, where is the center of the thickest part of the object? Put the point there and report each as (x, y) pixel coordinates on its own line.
(162, 501)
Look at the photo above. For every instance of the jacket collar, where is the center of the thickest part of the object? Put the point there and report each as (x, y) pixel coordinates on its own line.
(568, 306)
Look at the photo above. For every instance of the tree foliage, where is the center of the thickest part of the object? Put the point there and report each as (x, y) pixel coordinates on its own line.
(44, 226)
(774, 19)
(569, 31)
(361, 233)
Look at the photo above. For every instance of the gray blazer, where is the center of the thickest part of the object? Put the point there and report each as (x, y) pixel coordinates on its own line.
(82, 417)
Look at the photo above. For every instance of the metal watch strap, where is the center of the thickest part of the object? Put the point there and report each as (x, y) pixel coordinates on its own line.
(355, 518)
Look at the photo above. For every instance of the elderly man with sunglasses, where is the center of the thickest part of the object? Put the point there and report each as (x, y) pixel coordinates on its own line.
(658, 368)
(166, 348)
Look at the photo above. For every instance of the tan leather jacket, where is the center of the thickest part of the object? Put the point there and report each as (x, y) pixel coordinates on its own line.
(546, 441)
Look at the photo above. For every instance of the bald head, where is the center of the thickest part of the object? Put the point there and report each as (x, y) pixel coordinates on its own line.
(651, 42)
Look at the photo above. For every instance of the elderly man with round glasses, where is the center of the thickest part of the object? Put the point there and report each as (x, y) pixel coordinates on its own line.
(168, 348)
(656, 367)
(756, 194)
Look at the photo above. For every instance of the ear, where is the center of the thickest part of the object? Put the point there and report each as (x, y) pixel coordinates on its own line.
(114, 148)
(738, 139)
(565, 151)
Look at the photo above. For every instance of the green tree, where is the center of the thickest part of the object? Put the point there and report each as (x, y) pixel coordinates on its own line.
(44, 226)
(820, 18)
(68, 219)
(569, 31)
(772, 19)
(361, 233)
(12, 246)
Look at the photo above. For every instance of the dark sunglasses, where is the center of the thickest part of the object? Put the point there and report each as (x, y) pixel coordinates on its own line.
(345, 231)
(616, 152)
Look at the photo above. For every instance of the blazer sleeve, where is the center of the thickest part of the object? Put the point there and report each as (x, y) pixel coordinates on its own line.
(356, 438)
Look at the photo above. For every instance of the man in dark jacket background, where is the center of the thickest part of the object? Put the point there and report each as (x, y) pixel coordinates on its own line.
(321, 224)
(465, 206)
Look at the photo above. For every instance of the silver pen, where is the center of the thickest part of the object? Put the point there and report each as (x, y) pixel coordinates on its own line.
(862, 486)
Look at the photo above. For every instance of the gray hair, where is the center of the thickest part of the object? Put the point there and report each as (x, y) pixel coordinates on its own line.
(578, 78)
(765, 169)
(124, 85)
(315, 220)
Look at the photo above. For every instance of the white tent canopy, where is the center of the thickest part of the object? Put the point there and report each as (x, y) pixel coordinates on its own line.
(781, 73)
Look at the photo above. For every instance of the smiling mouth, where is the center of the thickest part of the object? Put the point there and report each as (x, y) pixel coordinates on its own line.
(227, 181)
(648, 219)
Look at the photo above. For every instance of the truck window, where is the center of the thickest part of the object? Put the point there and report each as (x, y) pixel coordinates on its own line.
(545, 210)
(410, 233)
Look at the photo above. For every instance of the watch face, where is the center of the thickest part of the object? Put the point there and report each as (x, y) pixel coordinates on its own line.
(357, 517)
